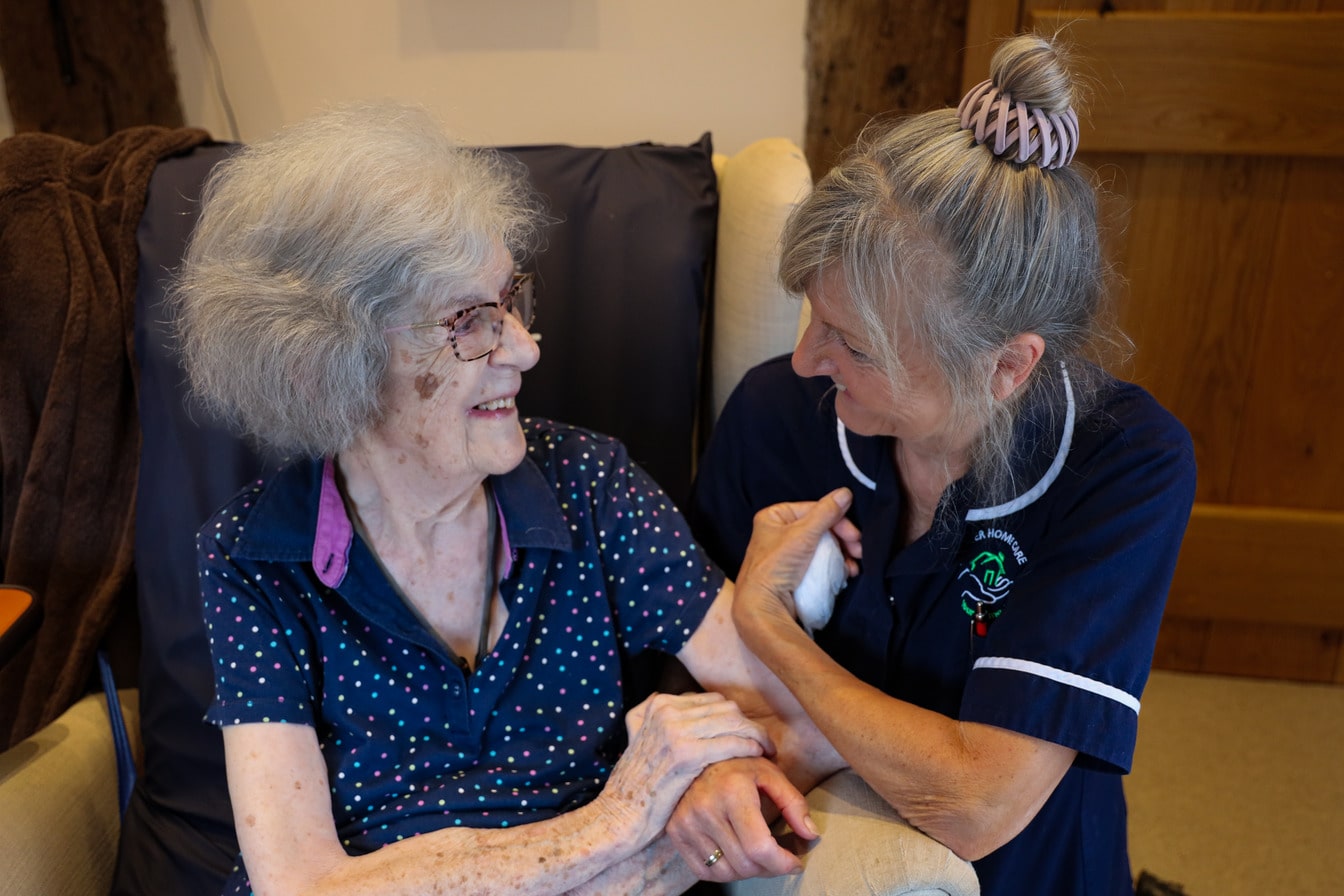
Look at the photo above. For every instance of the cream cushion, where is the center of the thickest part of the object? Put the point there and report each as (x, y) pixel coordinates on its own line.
(866, 849)
(754, 318)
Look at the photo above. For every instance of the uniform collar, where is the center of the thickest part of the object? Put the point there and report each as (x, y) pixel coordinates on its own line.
(869, 477)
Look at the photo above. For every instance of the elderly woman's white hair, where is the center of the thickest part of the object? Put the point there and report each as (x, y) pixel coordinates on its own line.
(927, 225)
(311, 243)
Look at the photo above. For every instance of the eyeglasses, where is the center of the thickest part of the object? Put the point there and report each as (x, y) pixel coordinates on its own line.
(475, 332)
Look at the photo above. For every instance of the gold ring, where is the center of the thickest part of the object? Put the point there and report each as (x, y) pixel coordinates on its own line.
(713, 857)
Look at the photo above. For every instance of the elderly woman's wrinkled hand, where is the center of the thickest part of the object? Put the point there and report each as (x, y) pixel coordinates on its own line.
(672, 740)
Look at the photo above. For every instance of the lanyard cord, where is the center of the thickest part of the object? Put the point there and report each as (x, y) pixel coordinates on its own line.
(491, 560)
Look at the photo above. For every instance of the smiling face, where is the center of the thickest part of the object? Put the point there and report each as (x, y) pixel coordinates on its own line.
(836, 345)
(456, 419)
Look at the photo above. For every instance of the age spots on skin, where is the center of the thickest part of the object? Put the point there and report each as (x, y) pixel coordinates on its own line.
(426, 384)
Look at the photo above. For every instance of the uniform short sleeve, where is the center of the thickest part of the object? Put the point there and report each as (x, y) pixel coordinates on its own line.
(1068, 659)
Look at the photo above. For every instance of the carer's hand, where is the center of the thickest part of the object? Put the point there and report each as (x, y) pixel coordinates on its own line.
(783, 538)
(672, 740)
(725, 809)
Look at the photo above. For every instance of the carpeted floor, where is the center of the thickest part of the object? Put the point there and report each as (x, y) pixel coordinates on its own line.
(1238, 786)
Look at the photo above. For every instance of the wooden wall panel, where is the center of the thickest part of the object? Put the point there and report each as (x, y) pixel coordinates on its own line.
(1261, 564)
(1199, 82)
(1290, 452)
(1196, 292)
(1217, 647)
(1256, 593)
(1182, 644)
(1301, 653)
(986, 24)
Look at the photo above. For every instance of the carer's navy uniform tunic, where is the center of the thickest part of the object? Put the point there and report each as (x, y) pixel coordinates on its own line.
(1066, 581)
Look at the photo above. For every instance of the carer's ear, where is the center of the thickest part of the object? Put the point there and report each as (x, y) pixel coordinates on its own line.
(1017, 359)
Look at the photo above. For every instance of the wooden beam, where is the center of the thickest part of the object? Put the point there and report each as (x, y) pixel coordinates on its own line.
(873, 57)
(1222, 83)
(86, 69)
(1261, 564)
(987, 23)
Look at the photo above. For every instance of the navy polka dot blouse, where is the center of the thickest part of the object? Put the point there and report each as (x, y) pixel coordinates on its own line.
(305, 629)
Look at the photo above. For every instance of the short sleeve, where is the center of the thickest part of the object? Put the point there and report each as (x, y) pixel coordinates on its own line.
(1068, 659)
(659, 581)
(261, 656)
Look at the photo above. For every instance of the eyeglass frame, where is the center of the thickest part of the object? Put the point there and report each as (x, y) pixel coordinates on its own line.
(523, 283)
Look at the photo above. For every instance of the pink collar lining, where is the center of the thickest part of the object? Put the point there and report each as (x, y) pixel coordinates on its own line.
(335, 532)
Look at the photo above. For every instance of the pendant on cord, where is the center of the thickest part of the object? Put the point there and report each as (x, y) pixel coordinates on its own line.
(980, 620)
(982, 614)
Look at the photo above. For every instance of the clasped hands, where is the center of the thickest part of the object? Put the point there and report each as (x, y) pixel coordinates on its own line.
(721, 827)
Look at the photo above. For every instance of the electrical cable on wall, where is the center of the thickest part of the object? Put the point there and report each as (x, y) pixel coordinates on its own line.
(216, 69)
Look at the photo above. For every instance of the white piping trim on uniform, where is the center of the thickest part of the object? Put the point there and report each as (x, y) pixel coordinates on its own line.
(849, 459)
(1061, 455)
(1059, 675)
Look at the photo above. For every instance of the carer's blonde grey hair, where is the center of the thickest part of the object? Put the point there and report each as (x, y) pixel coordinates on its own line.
(969, 249)
(311, 243)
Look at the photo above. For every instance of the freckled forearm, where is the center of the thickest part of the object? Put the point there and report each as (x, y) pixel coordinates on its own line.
(278, 785)
(972, 787)
(541, 859)
(657, 870)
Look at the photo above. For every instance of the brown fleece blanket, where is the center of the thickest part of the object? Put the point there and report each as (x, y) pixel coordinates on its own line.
(69, 430)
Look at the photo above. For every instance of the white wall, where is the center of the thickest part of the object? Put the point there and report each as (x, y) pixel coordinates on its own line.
(595, 72)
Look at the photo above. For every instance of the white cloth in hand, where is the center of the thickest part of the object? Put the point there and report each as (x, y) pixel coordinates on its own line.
(814, 597)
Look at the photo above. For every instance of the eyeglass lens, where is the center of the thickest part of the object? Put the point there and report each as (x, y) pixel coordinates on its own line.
(476, 332)
(522, 298)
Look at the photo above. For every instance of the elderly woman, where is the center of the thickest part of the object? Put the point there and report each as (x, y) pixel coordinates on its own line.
(1021, 510)
(418, 624)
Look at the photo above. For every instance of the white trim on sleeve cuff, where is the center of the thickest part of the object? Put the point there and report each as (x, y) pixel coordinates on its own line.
(1066, 678)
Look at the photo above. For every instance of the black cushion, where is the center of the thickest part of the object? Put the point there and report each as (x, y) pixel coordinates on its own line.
(623, 291)
(623, 287)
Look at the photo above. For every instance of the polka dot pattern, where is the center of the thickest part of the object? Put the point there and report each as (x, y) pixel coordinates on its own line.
(602, 568)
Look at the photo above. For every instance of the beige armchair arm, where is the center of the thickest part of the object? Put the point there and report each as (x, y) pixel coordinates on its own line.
(866, 849)
(58, 802)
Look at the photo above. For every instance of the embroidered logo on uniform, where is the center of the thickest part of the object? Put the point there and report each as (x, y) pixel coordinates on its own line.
(985, 581)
